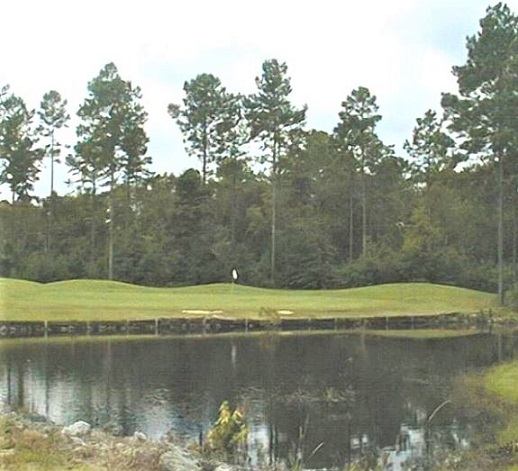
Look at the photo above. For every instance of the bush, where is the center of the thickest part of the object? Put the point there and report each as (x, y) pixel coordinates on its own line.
(45, 267)
(381, 265)
(229, 434)
(511, 297)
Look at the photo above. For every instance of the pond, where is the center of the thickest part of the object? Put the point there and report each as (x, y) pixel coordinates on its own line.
(333, 396)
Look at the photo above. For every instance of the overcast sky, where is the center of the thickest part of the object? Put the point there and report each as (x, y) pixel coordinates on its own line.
(402, 50)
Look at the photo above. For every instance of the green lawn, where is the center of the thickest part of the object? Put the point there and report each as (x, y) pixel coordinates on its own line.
(104, 300)
(502, 382)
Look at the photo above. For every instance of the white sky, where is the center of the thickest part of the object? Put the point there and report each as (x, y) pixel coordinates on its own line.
(403, 50)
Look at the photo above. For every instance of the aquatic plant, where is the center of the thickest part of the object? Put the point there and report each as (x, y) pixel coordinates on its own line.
(229, 434)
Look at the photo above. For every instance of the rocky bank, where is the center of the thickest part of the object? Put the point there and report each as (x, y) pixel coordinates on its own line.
(28, 441)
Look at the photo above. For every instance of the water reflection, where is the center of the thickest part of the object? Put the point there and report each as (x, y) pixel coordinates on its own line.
(328, 398)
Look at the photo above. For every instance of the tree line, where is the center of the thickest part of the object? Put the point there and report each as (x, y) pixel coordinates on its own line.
(314, 209)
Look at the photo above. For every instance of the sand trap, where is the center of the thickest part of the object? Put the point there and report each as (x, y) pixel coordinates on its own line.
(200, 312)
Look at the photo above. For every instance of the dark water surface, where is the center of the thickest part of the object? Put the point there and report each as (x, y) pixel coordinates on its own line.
(348, 392)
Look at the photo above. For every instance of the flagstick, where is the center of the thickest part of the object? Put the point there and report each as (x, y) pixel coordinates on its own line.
(234, 279)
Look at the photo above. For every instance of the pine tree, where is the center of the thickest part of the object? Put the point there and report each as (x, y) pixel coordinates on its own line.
(275, 122)
(483, 113)
(112, 140)
(53, 116)
(208, 119)
(21, 158)
(357, 138)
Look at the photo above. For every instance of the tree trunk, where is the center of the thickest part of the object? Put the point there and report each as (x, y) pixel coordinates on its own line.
(204, 163)
(127, 208)
(93, 225)
(50, 218)
(364, 207)
(351, 218)
(47, 230)
(110, 228)
(501, 294)
(274, 211)
(233, 215)
(52, 163)
(515, 240)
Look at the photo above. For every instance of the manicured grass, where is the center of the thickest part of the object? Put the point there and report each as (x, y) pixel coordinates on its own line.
(502, 382)
(104, 300)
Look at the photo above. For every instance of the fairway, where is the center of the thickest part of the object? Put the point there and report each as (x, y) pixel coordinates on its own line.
(108, 300)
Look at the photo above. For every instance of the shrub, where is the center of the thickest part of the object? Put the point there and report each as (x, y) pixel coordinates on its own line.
(511, 297)
(229, 435)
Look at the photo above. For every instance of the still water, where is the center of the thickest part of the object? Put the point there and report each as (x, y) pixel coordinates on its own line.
(341, 394)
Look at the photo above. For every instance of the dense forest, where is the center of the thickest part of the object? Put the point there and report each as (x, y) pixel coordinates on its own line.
(285, 205)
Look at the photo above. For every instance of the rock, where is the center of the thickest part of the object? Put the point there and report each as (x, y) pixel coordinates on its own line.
(177, 459)
(139, 436)
(77, 441)
(114, 429)
(77, 428)
(224, 467)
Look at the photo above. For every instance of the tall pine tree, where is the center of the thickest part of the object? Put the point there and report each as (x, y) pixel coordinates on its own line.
(356, 136)
(274, 122)
(483, 113)
(20, 157)
(112, 140)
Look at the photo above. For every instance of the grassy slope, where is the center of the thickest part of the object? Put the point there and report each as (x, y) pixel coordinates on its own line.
(502, 381)
(95, 299)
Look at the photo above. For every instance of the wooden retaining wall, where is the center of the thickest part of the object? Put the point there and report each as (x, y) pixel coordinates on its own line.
(214, 325)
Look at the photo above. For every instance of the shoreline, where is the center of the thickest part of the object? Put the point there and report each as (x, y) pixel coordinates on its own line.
(34, 442)
(220, 325)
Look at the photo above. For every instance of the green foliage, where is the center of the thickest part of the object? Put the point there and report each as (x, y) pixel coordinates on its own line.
(111, 135)
(53, 116)
(272, 117)
(229, 434)
(112, 143)
(195, 259)
(19, 157)
(512, 297)
(210, 120)
(277, 125)
(380, 265)
(482, 114)
(361, 148)
(329, 210)
(305, 258)
(355, 132)
(45, 267)
(430, 149)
